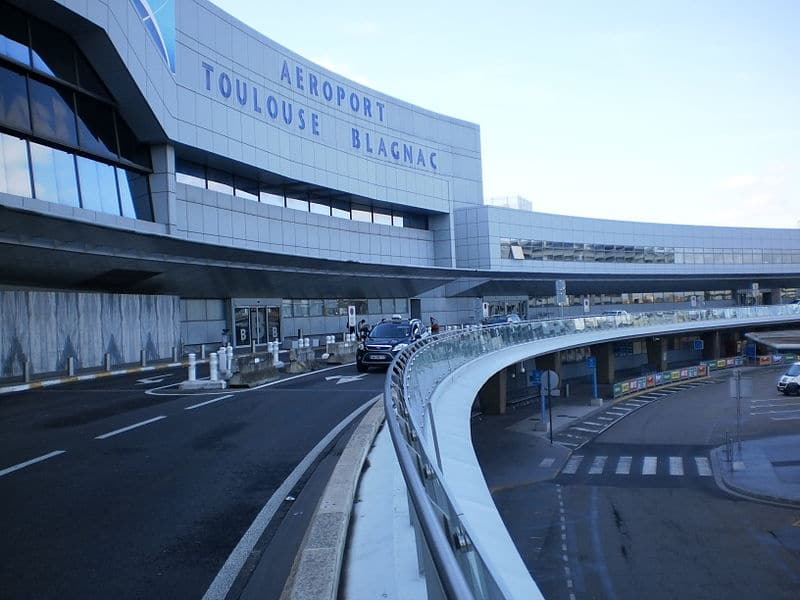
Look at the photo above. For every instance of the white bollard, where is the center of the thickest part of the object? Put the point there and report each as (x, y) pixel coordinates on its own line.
(307, 343)
(192, 366)
(213, 363)
(275, 358)
(230, 359)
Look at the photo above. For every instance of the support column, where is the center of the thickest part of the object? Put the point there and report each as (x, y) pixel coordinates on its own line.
(657, 353)
(606, 365)
(163, 187)
(493, 394)
(712, 345)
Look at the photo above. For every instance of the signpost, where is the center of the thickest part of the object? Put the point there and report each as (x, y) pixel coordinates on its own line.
(591, 364)
(549, 389)
(351, 316)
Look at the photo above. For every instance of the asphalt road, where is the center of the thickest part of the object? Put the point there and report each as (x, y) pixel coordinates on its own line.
(636, 513)
(141, 492)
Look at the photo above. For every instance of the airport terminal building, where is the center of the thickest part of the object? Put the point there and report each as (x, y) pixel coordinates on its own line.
(169, 178)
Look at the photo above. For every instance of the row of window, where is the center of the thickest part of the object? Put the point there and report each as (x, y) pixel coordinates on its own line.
(37, 171)
(220, 181)
(338, 308)
(634, 298)
(45, 98)
(571, 252)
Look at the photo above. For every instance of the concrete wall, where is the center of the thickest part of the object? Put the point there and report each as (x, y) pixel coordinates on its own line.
(46, 328)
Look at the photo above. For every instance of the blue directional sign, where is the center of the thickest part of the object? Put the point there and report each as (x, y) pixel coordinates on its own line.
(536, 377)
(591, 362)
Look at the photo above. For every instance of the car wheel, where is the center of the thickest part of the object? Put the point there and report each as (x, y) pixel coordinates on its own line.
(361, 367)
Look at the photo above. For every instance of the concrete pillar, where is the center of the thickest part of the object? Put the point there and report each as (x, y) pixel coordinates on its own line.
(712, 345)
(606, 365)
(493, 394)
(657, 353)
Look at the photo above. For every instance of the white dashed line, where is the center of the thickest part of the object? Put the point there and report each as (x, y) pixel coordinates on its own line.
(30, 462)
(703, 466)
(129, 427)
(675, 466)
(193, 406)
(624, 465)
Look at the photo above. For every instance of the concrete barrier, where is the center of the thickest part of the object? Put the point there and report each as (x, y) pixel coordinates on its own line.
(253, 369)
(340, 353)
(302, 360)
(317, 566)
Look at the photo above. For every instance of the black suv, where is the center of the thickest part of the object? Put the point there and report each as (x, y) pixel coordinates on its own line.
(385, 340)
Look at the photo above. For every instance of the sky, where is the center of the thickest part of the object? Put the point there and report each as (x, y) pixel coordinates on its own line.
(671, 112)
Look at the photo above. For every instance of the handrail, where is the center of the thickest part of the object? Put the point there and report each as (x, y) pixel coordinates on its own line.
(448, 556)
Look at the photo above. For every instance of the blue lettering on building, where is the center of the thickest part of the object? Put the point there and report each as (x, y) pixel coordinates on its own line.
(412, 156)
(277, 109)
(348, 99)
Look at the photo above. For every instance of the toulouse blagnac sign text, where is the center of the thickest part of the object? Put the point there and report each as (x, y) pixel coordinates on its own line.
(270, 105)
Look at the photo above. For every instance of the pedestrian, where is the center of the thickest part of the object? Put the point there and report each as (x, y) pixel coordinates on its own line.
(434, 326)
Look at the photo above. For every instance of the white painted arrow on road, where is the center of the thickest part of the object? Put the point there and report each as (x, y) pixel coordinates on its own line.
(149, 380)
(346, 378)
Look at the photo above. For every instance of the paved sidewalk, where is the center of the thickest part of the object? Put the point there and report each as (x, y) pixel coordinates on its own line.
(766, 469)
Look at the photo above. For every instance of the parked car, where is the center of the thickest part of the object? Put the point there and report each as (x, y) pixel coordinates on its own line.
(789, 382)
(385, 340)
(498, 319)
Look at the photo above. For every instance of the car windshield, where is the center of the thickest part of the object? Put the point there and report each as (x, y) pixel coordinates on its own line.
(793, 371)
(390, 330)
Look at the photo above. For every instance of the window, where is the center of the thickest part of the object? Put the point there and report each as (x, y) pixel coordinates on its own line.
(190, 173)
(361, 213)
(134, 193)
(382, 217)
(219, 181)
(14, 100)
(52, 52)
(14, 169)
(340, 209)
(270, 198)
(53, 116)
(320, 207)
(14, 35)
(54, 176)
(96, 127)
(247, 188)
(98, 185)
(297, 204)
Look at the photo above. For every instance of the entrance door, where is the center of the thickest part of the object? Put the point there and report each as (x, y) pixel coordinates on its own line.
(274, 323)
(242, 330)
(416, 308)
(258, 325)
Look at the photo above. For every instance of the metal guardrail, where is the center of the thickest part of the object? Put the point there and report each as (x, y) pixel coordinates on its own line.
(453, 567)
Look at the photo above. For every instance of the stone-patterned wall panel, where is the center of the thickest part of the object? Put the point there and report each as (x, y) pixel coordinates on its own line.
(42, 322)
(93, 344)
(130, 331)
(14, 333)
(68, 331)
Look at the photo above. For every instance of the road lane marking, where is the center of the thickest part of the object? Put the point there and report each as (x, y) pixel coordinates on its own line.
(624, 465)
(30, 462)
(598, 464)
(676, 466)
(703, 466)
(572, 465)
(129, 427)
(193, 406)
(224, 579)
(649, 465)
(775, 412)
(547, 462)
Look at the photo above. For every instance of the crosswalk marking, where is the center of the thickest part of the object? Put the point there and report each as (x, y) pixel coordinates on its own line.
(572, 464)
(547, 462)
(584, 429)
(703, 466)
(624, 465)
(593, 424)
(598, 464)
(607, 418)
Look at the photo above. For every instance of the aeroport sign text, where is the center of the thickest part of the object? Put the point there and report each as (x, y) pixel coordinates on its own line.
(284, 112)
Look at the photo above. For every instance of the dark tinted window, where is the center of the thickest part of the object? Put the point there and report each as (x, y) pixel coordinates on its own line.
(15, 175)
(88, 79)
(14, 35)
(129, 146)
(54, 176)
(14, 100)
(52, 52)
(96, 126)
(53, 116)
(134, 193)
(390, 330)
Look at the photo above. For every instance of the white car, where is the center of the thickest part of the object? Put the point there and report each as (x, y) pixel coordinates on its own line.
(789, 382)
(621, 317)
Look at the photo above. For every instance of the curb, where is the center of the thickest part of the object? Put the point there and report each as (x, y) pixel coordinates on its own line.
(741, 492)
(317, 566)
(22, 387)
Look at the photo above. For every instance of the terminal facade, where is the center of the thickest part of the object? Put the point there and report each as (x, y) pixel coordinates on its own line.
(178, 178)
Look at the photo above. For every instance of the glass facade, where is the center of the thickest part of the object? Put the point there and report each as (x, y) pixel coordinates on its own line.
(191, 173)
(517, 249)
(61, 137)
